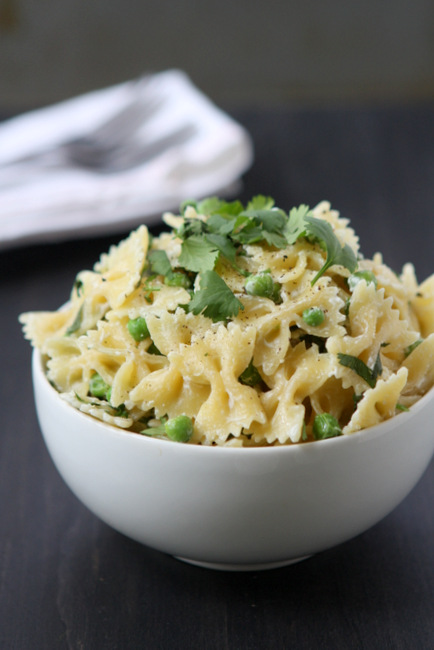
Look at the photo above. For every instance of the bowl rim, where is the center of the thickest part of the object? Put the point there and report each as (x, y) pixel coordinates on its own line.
(363, 435)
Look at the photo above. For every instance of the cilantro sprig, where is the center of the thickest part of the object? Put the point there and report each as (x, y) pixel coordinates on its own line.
(214, 298)
(336, 254)
(198, 254)
(222, 235)
(229, 226)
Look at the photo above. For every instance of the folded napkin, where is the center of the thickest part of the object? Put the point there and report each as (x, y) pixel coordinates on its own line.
(51, 202)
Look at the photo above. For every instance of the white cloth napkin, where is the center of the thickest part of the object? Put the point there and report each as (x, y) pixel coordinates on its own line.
(51, 203)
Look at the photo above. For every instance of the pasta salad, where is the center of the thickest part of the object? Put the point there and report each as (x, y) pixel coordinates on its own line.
(242, 325)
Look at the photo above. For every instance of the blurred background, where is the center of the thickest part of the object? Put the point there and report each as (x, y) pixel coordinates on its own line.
(251, 52)
(338, 96)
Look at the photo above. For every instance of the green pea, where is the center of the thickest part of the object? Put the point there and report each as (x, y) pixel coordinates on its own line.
(98, 387)
(358, 276)
(138, 328)
(325, 425)
(177, 279)
(313, 316)
(179, 428)
(263, 285)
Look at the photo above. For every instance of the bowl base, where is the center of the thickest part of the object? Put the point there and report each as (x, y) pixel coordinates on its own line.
(221, 566)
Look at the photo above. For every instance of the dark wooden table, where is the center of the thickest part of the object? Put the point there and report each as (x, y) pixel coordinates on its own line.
(69, 581)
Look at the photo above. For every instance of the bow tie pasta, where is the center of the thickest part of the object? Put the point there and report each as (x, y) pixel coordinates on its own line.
(242, 326)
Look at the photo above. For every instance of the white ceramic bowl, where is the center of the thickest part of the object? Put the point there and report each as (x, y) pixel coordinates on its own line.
(233, 508)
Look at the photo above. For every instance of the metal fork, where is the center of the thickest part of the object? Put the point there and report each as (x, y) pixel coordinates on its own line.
(133, 154)
(94, 150)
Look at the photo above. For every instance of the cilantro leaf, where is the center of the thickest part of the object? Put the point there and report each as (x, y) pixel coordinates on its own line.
(336, 254)
(360, 367)
(186, 204)
(246, 230)
(274, 239)
(295, 227)
(198, 254)
(189, 228)
(270, 224)
(214, 205)
(224, 245)
(260, 202)
(214, 299)
(229, 225)
(220, 225)
(159, 262)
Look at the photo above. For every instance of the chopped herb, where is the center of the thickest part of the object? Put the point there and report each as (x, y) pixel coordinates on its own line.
(378, 368)
(401, 407)
(311, 339)
(154, 350)
(409, 349)
(250, 376)
(85, 401)
(214, 299)
(148, 286)
(159, 262)
(120, 411)
(354, 363)
(157, 431)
